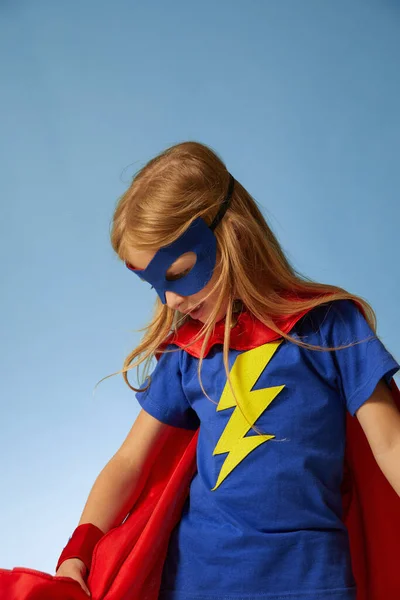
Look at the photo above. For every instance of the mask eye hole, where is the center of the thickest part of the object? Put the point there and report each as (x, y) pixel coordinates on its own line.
(177, 276)
(184, 264)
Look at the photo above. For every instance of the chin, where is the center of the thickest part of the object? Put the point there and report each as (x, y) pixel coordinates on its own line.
(221, 316)
(203, 318)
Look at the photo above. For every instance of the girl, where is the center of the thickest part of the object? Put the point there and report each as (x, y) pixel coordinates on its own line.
(266, 363)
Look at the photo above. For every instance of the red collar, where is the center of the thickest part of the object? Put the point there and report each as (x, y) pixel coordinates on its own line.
(248, 333)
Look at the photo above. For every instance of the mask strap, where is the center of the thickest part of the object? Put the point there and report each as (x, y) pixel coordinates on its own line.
(225, 204)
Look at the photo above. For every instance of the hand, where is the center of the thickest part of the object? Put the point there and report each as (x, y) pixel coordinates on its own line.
(75, 569)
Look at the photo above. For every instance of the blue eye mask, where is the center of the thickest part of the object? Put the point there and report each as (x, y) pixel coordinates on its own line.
(198, 238)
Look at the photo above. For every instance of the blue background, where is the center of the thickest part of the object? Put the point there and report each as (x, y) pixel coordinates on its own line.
(300, 99)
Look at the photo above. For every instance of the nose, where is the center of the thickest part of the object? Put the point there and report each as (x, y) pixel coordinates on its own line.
(174, 300)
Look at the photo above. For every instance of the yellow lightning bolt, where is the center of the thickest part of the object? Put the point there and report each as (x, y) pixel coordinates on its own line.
(244, 374)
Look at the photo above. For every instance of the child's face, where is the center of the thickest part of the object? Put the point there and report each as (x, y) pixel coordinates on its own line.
(195, 305)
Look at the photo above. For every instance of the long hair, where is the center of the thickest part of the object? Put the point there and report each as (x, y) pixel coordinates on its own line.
(187, 181)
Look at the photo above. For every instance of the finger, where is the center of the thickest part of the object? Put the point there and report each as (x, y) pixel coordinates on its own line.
(84, 587)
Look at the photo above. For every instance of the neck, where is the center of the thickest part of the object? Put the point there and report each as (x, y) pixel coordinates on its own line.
(236, 310)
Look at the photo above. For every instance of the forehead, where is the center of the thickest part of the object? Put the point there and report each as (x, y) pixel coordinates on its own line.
(141, 258)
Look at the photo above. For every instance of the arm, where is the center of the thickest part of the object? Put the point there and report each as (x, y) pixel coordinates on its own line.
(119, 484)
(121, 481)
(380, 420)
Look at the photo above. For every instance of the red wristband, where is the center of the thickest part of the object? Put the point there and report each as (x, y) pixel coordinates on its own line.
(81, 544)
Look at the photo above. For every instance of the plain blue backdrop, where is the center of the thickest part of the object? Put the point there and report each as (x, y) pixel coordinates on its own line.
(301, 99)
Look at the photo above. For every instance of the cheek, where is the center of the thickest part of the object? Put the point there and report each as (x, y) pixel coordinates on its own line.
(199, 296)
(209, 288)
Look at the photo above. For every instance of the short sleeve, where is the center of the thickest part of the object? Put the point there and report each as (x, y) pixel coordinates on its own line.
(165, 399)
(361, 366)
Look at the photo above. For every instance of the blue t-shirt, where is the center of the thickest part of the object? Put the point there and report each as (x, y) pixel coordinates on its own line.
(263, 517)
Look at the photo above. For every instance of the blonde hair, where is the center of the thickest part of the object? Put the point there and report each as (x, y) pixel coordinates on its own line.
(188, 181)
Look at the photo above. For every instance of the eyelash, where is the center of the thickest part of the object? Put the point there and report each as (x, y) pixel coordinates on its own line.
(179, 275)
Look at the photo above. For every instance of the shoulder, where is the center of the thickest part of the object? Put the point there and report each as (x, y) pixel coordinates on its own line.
(333, 320)
(337, 310)
(168, 361)
(174, 361)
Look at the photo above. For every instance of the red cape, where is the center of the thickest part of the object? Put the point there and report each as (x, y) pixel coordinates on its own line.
(128, 560)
